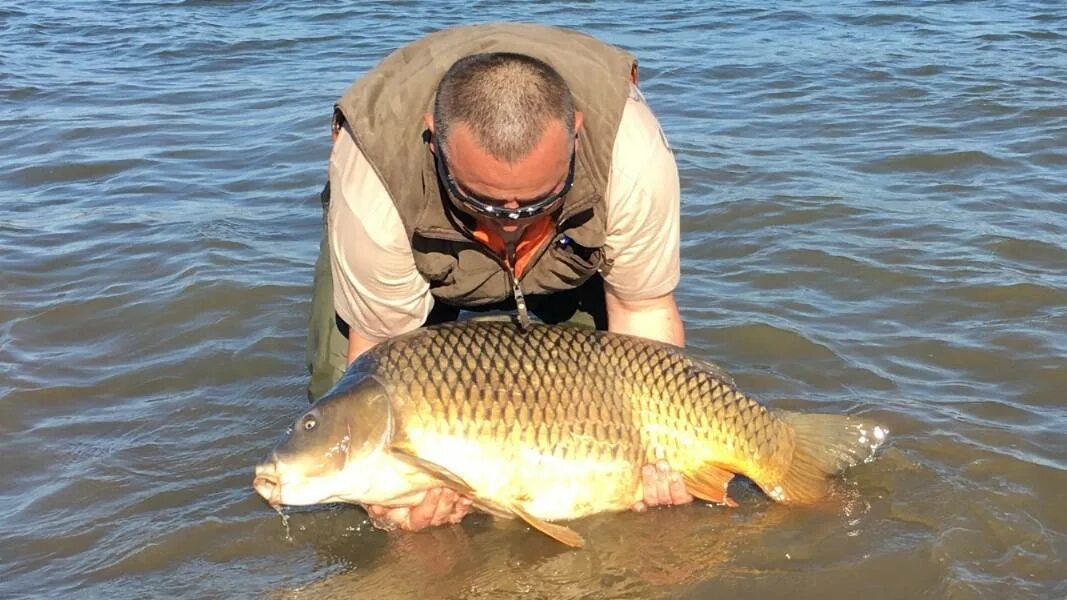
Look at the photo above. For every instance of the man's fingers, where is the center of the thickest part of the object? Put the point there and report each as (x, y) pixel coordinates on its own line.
(446, 503)
(398, 517)
(648, 485)
(387, 518)
(663, 482)
(462, 507)
(661, 487)
(679, 493)
(421, 514)
(437, 507)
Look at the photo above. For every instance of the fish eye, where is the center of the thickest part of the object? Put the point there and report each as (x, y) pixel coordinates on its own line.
(309, 423)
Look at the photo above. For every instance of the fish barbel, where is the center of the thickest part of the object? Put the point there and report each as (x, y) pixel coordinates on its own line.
(547, 425)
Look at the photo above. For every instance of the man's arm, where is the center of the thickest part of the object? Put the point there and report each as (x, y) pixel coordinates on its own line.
(654, 318)
(357, 345)
(644, 205)
(377, 290)
(379, 293)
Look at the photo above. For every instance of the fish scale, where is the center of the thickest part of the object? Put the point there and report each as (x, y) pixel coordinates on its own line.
(643, 389)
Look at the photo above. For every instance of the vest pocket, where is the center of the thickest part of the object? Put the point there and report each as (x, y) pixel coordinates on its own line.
(436, 270)
(572, 264)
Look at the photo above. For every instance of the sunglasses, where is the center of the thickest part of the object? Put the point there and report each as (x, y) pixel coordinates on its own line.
(494, 208)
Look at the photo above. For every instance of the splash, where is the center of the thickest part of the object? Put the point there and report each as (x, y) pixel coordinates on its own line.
(285, 523)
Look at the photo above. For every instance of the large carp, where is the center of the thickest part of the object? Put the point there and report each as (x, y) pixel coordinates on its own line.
(547, 425)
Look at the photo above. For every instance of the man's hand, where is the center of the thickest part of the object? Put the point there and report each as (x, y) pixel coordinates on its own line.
(438, 507)
(661, 487)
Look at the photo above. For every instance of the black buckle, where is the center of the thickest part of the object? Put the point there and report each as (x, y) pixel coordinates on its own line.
(337, 122)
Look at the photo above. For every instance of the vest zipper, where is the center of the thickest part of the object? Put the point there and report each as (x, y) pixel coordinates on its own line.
(516, 287)
(506, 263)
(506, 266)
(516, 282)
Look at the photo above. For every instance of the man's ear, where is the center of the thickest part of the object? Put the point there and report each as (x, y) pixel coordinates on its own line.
(427, 118)
(578, 119)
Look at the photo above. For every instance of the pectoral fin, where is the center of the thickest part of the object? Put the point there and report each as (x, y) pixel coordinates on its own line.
(560, 533)
(709, 483)
(451, 481)
(456, 483)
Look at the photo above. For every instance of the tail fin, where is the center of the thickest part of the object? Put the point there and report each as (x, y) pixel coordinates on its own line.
(825, 446)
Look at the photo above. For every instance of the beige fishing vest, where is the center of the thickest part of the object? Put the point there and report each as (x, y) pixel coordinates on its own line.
(385, 109)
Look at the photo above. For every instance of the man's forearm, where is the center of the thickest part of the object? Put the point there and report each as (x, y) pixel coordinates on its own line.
(357, 345)
(655, 318)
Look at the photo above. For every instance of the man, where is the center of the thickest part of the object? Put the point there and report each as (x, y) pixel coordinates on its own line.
(490, 167)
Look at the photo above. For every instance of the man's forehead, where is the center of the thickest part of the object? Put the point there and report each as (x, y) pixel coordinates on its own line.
(531, 176)
(552, 138)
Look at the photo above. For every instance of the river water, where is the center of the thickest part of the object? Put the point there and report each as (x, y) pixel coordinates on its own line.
(872, 223)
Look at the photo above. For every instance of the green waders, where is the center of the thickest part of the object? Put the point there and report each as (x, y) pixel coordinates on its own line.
(327, 349)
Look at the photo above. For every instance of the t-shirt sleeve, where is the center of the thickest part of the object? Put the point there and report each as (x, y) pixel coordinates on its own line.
(377, 289)
(643, 205)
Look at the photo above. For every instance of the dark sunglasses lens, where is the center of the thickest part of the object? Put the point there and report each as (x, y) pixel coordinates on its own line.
(521, 213)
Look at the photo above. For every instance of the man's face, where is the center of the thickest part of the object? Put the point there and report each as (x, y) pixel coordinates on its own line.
(540, 174)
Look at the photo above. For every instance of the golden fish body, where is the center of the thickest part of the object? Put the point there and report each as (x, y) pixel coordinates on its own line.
(547, 425)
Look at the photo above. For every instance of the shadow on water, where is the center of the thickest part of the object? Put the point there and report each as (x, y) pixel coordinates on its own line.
(666, 552)
(627, 555)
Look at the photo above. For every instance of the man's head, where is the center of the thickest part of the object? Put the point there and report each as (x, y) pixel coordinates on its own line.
(504, 129)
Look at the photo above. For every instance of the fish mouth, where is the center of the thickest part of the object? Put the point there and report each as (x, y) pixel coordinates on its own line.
(267, 483)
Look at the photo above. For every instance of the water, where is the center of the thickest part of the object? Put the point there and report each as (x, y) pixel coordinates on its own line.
(872, 224)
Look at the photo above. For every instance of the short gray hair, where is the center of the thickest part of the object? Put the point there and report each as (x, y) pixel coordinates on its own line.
(508, 100)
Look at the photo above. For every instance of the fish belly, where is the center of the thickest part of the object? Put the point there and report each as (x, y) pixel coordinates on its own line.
(558, 483)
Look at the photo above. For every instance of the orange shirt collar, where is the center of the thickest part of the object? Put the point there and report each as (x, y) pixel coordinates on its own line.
(531, 240)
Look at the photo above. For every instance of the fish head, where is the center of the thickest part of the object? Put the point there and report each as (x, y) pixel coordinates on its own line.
(320, 457)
